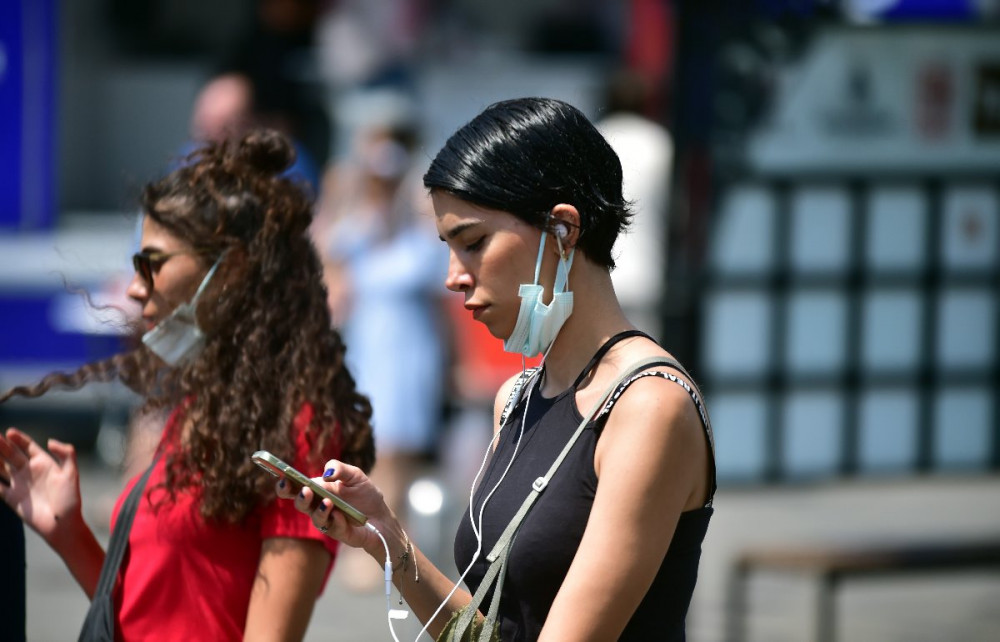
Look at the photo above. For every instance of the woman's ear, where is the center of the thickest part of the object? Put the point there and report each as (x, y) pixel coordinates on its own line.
(564, 224)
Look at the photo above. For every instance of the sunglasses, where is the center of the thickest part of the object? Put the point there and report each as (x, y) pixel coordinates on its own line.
(147, 262)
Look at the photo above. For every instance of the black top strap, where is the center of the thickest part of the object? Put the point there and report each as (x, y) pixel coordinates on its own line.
(603, 350)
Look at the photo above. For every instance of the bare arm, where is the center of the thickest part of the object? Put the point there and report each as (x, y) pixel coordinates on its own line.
(284, 592)
(83, 556)
(651, 461)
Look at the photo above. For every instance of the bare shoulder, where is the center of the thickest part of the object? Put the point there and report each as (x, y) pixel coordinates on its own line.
(656, 405)
(659, 396)
(654, 429)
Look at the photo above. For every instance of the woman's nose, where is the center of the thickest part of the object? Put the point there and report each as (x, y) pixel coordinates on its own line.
(138, 289)
(458, 279)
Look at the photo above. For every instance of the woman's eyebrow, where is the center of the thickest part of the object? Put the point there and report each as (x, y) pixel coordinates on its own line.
(461, 227)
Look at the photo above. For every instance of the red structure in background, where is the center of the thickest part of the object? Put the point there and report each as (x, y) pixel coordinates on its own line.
(481, 365)
(649, 50)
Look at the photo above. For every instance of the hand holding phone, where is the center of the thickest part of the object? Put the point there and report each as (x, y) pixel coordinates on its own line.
(278, 468)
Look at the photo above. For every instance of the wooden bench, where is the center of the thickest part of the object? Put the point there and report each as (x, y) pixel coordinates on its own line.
(831, 565)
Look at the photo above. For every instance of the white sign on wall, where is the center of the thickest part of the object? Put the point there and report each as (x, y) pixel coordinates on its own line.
(917, 99)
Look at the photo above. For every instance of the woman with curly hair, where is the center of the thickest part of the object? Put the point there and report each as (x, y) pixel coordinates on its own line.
(238, 346)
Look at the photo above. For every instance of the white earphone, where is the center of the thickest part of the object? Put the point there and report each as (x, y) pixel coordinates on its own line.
(561, 231)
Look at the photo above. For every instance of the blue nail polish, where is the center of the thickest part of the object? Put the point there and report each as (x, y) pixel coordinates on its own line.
(328, 473)
(282, 483)
(302, 493)
(326, 504)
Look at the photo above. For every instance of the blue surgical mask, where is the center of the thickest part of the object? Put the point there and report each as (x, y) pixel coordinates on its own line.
(538, 324)
(177, 338)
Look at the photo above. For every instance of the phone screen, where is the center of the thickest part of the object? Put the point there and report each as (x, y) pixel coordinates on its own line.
(278, 468)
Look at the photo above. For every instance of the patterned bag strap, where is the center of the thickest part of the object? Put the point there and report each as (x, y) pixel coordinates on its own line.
(520, 385)
(501, 550)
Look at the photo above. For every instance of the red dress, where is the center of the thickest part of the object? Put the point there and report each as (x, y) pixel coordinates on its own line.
(185, 579)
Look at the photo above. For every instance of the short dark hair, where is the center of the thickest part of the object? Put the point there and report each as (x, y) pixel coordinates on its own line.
(527, 155)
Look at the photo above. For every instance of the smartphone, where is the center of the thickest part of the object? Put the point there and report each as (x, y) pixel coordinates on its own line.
(278, 468)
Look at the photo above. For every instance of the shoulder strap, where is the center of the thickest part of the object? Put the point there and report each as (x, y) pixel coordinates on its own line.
(119, 537)
(501, 550)
(516, 392)
(636, 373)
(692, 389)
(603, 350)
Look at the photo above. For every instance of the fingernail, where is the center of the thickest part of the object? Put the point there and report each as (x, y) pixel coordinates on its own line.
(302, 493)
(328, 473)
(282, 483)
(326, 504)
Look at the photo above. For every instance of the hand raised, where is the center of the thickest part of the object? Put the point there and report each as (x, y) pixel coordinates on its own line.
(42, 488)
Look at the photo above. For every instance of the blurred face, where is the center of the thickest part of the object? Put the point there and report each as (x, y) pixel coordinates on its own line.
(175, 269)
(223, 108)
(491, 253)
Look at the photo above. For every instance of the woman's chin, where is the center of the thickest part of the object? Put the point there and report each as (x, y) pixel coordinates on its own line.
(497, 334)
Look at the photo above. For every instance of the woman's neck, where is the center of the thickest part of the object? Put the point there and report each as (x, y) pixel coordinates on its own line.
(597, 316)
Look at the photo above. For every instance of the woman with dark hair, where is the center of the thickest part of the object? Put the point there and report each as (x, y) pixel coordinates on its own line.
(597, 492)
(237, 344)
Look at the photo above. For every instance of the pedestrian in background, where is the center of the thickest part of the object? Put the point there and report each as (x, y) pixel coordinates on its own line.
(383, 268)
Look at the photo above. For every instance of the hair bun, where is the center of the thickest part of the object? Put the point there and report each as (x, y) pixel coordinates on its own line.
(267, 150)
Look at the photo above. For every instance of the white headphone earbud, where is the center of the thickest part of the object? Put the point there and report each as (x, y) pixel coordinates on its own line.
(561, 231)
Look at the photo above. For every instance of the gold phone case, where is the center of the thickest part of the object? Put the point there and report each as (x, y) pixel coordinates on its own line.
(278, 468)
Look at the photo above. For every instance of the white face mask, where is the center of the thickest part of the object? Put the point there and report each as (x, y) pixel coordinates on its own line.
(178, 338)
(538, 324)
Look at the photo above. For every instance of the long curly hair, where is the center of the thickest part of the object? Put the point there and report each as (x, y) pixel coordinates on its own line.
(269, 348)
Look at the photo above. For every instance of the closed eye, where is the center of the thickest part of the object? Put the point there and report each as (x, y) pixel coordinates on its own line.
(476, 245)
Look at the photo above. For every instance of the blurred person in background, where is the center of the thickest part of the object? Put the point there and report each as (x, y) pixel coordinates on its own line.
(270, 80)
(231, 104)
(278, 56)
(646, 150)
(369, 43)
(383, 267)
(528, 198)
(237, 343)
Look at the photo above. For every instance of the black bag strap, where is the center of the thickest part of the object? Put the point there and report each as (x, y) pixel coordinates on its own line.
(119, 536)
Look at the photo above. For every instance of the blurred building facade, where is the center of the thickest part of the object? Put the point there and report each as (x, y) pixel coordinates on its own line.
(849, 309)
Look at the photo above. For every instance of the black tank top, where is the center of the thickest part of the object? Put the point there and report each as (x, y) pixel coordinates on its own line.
(551, 532)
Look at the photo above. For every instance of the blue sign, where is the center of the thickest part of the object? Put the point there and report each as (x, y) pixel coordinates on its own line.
(27, 108)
